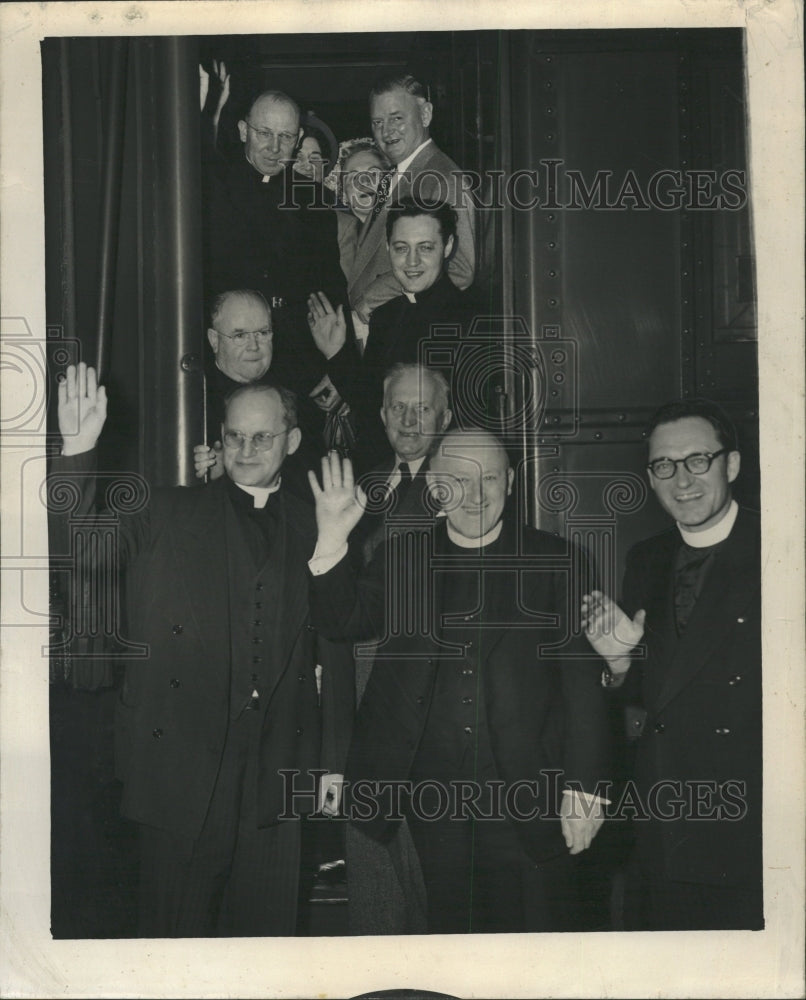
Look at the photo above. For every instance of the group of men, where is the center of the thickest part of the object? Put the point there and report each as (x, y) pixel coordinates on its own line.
(480, 746)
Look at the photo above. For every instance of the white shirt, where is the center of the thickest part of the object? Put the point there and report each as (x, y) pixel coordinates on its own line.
(394, 477)
(405, 164)
(474, 543)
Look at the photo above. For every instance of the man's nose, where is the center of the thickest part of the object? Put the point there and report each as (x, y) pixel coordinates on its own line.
(409, 416)
(254, 341)
(248, 447)
(413, 256)
(475, 492)
(682, 476)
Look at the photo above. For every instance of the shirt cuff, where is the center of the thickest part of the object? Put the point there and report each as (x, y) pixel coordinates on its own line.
(320, 563)
(587, 797)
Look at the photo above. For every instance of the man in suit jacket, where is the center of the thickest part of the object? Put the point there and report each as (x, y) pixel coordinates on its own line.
(415, 414)
(400, 116)
(226, 698)
(420, 238)
(482, 705)
(687, 649)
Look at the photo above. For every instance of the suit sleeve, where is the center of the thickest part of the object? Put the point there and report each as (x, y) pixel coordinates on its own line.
(348, 603)
(338, 702)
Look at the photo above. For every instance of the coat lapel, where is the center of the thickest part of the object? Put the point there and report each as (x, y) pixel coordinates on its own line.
(731, 583)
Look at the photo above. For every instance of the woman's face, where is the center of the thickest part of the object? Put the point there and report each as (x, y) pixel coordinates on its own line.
(309, 162)
(360, 177)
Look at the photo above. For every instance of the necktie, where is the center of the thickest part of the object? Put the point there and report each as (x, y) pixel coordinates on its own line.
(687, 577)
(382, 194)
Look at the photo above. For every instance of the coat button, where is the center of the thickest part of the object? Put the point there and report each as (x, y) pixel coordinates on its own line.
(467, 672)
(659, 727)
(156, 733)
(301, 677)
(300, 730)
(740, 621)
(722, 731)
(178, 629)
(310, 628)
(469, 618)
(258, 586)
(467, 701)
(257, 622)
(257, 659)
(468, 644)
(257, 640)
(736, 679)
(257, 605)
(468, 730)
(420, 700)
(174, 682)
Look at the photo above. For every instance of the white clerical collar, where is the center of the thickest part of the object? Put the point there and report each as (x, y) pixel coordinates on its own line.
(713, 535)
(474, 543)
(410, 297)
(260, 494)
(405, 164)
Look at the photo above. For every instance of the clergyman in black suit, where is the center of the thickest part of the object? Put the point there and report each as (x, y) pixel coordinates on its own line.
(420, 238)
(684, 655)
(483, 709)
(226, 699)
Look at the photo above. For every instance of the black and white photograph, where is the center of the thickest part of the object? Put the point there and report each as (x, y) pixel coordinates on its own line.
(402, 500)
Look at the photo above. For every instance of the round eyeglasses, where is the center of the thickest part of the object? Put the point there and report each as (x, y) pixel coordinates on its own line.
(267, 135)
(697, 464)
(262, 441)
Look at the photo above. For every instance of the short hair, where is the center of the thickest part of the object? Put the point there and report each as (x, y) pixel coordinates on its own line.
(288, 399)
(280, 97)
(403, 81)
(679, 409)
(220, 300)
(476, 435)
(408, 208)
(401, 368)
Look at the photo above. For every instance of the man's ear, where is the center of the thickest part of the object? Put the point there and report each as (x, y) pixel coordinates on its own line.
(733, 464)
(294, 440)
(448, 248)
(426, 113)
(510, 480)
(383, 416)
(212, 336)
(447, 416)
(242, 130)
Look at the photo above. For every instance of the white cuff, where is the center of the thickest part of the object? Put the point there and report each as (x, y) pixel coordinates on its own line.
(320, 563)
(587, 797)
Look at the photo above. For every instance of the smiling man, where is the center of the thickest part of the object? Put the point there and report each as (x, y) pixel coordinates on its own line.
(400, 117)
(493, 739)
(421, 238)
(685, 657)
(226, 694)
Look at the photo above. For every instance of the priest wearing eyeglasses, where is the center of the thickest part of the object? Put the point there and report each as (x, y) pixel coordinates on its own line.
(683, 653)
(226, 698)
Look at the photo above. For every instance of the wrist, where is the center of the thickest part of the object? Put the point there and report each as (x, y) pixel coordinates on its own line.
(72, 447)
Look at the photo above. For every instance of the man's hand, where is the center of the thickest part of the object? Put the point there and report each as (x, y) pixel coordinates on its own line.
(328, 328)
(330, 789)
(362, 310)
(220, 70)
(325, 396)
(581, 818)
(339, 503)
(611, 632)
(82, 410)
(208, 460)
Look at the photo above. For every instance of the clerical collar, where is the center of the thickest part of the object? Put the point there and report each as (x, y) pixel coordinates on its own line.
(713, 535)
(260, 494)
(405, 164)
(433, 291)
(474, 543)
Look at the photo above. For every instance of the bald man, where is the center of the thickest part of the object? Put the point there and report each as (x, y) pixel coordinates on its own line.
(483, 722)
(265, 231)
